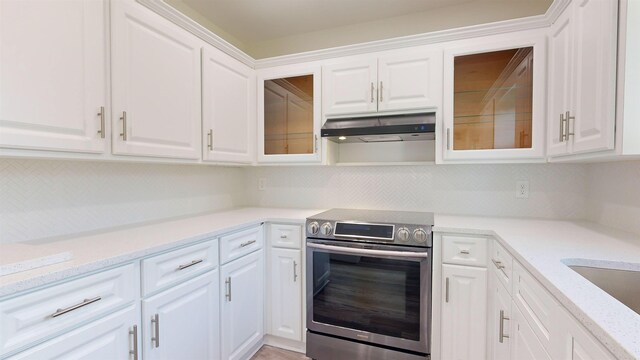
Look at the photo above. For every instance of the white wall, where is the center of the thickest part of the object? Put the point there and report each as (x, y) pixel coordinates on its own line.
(40, 199)
(613, 194)
(557, 191)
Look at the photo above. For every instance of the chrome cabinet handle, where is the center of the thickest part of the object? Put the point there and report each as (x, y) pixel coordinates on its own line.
(194, 262)
(85, 302)
(498, 264)
(380, 90)
(247, 243)
(568, 117)
(155, 321)
(295, 271)
(210, 140)
(283, 236)
(561, 136)
(134, 333)
(228, 286)
(448, 138)
(101, 115)
(315, 143)
(502, 319)
(446, 290)
(464, 252)
(124, 126)
(372, 89)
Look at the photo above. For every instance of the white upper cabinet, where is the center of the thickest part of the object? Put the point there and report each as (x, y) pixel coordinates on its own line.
(494, 99)
(228, 108)
(289, 114)
(53, 78)
(349, 88)
(582, 78)
(403, 81)
(411, 81)
(156, 85)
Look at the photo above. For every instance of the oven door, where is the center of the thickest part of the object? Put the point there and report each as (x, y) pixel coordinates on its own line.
(370, 293)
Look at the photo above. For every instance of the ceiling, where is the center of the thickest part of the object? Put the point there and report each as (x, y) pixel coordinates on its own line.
(265, 28)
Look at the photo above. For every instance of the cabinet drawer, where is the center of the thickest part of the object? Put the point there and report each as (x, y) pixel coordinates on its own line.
(537, 305)
(286, 236)
(502, 263)
(29, 318)
(239, 244)
(162, 271)
(464, 250)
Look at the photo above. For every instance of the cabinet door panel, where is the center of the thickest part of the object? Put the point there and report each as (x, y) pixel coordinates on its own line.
(464, 312)
(350, 87)
(410, 81)
(228, 108)
(104, 339)
(286, 293)
(188, 321)
(52, 74)
(242, 305)
(560, 68)
(594, 63)
(524, 343)
(499, 318)
(156, 81)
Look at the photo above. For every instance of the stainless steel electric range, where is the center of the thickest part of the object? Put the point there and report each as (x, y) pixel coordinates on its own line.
(369, 285)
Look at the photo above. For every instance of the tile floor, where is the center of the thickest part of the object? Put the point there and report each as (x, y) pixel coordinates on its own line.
(272, 353)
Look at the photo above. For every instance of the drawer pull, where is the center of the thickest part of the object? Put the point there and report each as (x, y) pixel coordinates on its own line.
(247, 243)
(134, 333)
(75, 307)
(502, 319)
(283, 236)
(464, 252)
(498, 264)
(194, 262)
(155, 321)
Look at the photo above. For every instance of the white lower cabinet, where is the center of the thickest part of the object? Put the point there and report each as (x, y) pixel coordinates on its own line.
(242, 308)
(464, 312)
(286, 293)
(499, 319)
(577, 344)
(524, 342)
(111, 337)
(183, 322)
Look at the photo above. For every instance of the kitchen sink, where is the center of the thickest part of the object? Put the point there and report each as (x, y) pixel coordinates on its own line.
(624, 285)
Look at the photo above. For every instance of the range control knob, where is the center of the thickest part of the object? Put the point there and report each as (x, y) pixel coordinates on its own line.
(419, 235)
(313, 227)
(403, 234)
(326, 229)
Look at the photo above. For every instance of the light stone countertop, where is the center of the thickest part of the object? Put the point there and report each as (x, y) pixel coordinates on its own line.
(541, 246)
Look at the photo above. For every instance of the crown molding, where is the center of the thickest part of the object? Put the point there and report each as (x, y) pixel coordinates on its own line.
(500, 27)
(172, 14)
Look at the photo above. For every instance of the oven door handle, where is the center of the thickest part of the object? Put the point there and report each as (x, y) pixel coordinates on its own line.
(389, 253)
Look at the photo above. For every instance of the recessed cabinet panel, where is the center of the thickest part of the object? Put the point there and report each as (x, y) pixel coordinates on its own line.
(156, 85)
(350, 87)
(289, 115)
(228, 108)
(53, 75)
(492, 100)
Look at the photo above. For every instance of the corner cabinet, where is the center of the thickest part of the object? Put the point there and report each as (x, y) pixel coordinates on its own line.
(289, 115)
(582, 78)
(53, 75)
(494, 99)
(394, 82)
(228, 108)
(156, 85)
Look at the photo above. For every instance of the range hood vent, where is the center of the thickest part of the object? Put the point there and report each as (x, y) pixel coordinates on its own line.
(381, 128)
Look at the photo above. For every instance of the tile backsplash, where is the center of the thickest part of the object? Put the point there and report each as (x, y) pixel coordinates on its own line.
(556, 191)
(45, 198)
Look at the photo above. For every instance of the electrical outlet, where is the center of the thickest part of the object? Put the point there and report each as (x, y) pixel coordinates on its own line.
(522, 189)
(262, 184)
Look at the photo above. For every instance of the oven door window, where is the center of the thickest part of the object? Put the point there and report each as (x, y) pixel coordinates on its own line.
(376, 295)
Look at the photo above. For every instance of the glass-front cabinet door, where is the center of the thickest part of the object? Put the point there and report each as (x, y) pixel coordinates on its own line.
(289, 115)
(494, 99)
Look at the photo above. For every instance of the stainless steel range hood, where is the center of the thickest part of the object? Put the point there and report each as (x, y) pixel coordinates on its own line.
(381, 128)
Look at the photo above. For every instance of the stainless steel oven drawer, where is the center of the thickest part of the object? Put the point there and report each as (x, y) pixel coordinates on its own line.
(322, 347)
